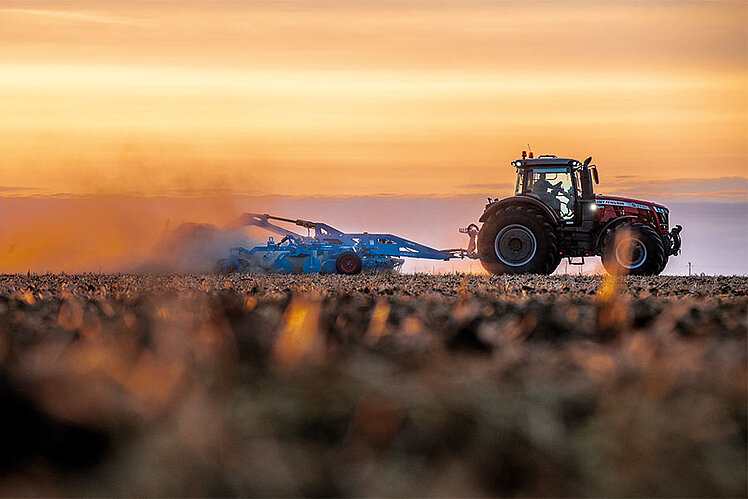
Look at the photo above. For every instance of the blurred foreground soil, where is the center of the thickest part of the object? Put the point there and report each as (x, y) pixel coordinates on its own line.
(119, 385)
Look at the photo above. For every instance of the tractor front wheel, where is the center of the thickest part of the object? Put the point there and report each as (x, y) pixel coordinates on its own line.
(518, 240)
(635, 249)
(662, 267)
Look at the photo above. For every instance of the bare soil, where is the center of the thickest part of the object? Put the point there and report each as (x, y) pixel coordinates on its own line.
(388, 385)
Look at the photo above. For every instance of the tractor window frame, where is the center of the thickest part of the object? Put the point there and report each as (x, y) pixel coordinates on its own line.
(572, 205)
(578, 172)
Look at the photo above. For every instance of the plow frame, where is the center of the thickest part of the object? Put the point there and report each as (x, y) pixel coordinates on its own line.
(318, 250)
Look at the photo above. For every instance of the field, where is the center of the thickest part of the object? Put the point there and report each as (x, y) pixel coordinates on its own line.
(397, 385)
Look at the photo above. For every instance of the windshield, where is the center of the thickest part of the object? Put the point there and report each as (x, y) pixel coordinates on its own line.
(554, 187)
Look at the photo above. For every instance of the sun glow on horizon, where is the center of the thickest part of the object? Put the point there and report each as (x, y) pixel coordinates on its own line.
(352, 98)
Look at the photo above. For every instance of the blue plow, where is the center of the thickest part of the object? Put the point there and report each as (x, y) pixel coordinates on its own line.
(327, 250)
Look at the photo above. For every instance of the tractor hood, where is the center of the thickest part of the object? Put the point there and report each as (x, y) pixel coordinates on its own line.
(628, 203)
(610, 208)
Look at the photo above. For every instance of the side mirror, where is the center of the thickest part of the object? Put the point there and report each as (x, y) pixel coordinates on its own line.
(594, 174)
(587, 161)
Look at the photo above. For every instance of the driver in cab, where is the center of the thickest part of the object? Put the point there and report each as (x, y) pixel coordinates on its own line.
(545, 190)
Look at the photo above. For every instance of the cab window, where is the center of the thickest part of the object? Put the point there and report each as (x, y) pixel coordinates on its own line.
(553, 186)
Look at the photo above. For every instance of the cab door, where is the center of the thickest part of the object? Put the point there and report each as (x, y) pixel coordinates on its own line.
(556, 188)
(586, 200)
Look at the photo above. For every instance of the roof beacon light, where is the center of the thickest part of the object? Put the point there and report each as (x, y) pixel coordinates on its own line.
(524, 154)
(530, 154)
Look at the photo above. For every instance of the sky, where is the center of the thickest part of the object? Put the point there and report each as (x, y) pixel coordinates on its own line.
(348, 97)
(352, 98)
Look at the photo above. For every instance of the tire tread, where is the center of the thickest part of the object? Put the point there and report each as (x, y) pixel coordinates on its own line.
(493, 265)
(656, 263)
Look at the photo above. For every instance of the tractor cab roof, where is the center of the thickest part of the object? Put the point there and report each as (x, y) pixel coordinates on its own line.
(546, 161)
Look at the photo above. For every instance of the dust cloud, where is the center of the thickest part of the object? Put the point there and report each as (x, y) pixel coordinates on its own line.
(192, 248)
(150, 235)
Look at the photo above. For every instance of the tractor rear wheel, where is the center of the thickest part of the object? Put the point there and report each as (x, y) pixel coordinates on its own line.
(518, 240)
(492, 268)
(647, 251)
(556, 260)
(348, 263)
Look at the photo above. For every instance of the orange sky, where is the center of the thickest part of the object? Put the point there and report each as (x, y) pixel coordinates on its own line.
(350, 97)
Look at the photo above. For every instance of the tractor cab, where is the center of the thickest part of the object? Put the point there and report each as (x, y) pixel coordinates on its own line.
(564, 185)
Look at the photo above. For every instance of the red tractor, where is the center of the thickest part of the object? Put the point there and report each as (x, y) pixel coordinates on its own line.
(555, 214)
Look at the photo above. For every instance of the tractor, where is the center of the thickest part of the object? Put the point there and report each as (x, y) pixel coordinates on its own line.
(555, 214)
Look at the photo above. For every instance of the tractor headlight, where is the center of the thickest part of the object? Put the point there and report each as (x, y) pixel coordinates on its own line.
(593, 207)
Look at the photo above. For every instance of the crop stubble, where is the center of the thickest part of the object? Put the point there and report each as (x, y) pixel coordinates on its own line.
(457, 385)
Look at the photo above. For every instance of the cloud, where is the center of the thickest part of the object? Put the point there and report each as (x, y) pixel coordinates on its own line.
(82, 16)
(15, 191)
(722, 188)
(15, 188)
(692, 189)
(474, 187)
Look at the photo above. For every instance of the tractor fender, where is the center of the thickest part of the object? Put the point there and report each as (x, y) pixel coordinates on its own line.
(612, 224)
(520, 200)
